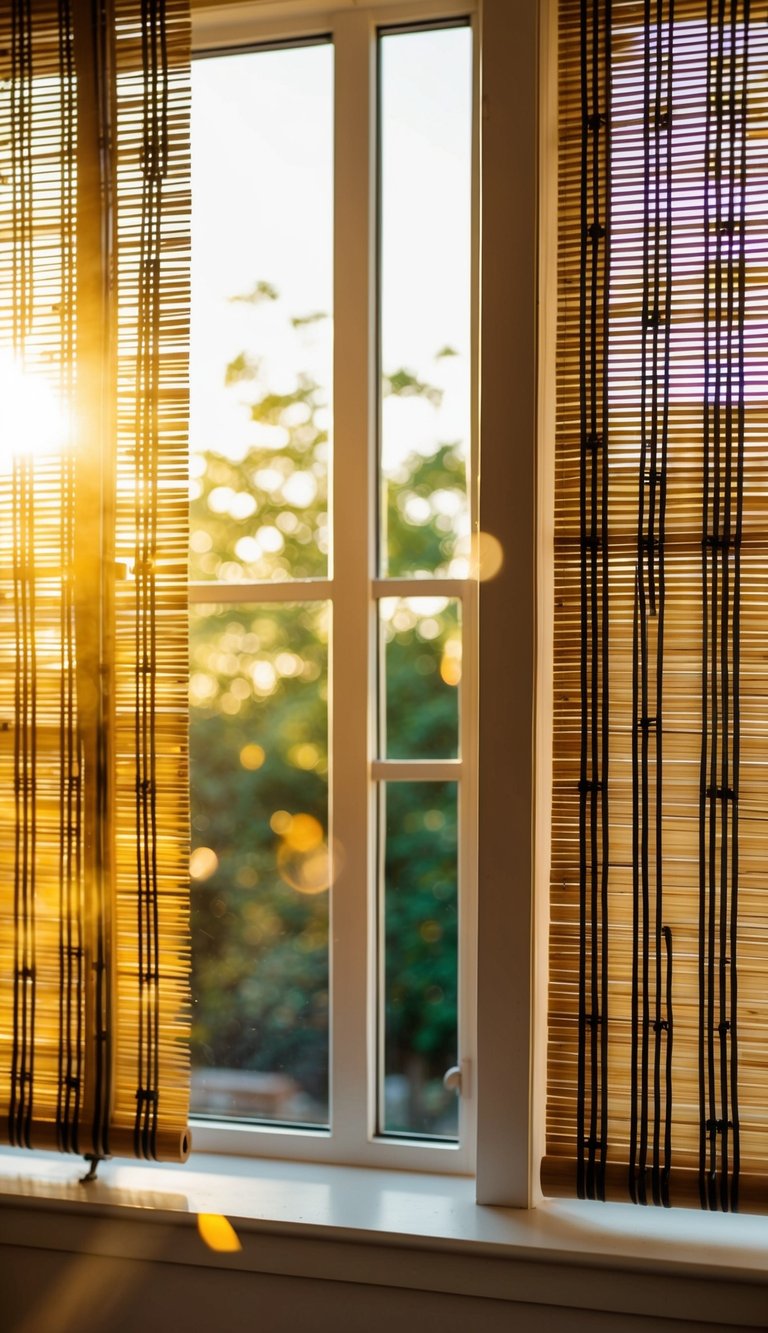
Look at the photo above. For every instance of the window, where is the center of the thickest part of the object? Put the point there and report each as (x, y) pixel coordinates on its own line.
(333, 616)
(515, 608)
(505, 318)
(378, 602)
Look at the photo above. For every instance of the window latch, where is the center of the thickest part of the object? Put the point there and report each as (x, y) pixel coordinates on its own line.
(452, 1079)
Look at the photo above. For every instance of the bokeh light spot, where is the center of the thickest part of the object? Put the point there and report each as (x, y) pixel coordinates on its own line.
(304, 833)
(218, 1233)
(428, 629)
(202, 687)
(203, 863)
(305, 756)
(280, 822)
(450, 670)
(487, 556)
(200, 541)
(309, 871)
(434, 820)
(252, 757)
(450, 663)
(247, 877)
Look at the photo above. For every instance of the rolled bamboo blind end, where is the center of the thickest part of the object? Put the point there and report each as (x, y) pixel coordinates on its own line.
(171, 1145)
(558, 1181)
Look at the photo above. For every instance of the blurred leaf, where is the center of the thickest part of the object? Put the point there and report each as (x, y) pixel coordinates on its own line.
(243, 367)
(300, 321)
(404, 384)
(261, 291)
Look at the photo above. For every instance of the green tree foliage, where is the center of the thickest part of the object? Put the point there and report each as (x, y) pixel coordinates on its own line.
(260, 754)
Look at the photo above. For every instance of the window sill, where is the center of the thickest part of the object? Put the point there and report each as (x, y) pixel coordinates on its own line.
(394, 1229)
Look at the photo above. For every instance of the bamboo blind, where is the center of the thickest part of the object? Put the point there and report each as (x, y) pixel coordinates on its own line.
(94, 219)
(658, 1031)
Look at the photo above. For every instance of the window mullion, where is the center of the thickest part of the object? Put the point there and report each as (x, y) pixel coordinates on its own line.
(287, 590)
(468, 696)
(352, 1046)
(417, 770)
(507, 605)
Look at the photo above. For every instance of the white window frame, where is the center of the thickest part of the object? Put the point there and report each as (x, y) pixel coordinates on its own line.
(353, 589)
(518, 63)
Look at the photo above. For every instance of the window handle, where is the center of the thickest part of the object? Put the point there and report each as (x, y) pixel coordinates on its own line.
(452, 1079)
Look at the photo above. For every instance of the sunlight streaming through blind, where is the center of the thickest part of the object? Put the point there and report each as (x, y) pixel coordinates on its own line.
(93, 540)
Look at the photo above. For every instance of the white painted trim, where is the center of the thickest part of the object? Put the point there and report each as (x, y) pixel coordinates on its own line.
(252, 22)
(351, 740)
(508, 333)
(211, 592)
(469, 748)
(545, 592)
(420, 586)
(417, 770)
(326, 1148)
(385, 1229)
(285, 591)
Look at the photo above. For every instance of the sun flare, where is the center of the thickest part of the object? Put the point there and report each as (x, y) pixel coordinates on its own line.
(33, 418)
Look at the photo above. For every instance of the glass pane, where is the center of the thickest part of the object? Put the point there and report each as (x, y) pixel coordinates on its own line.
(426, 124)
(260, 865)
(421, 641)
(420, 913)
(262, 191)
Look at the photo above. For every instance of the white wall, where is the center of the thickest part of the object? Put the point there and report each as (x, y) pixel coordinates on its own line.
(68, 1266)
(49, 1292)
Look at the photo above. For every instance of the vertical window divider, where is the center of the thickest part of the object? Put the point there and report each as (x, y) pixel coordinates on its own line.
(352, 721)
(467, 792)
(507, 611)
(545, 585)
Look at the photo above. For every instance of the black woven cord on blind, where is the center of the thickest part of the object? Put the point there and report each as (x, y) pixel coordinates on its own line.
(651, 1021)
(658, 1054)
(154, 118)
(94, 313)
(593, 532)
(722, 523)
